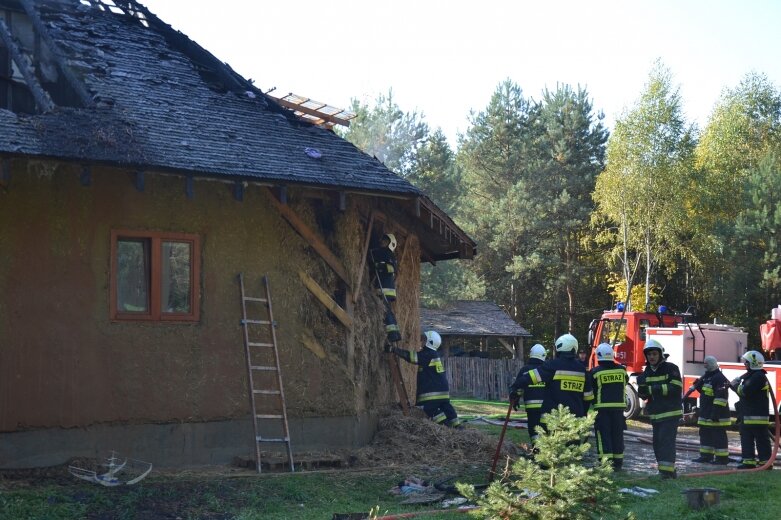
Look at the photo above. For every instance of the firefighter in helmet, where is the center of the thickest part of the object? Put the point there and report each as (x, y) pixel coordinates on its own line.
(534, 393)
(564, 378)
(609, 383)
(713, 418)
(753, 389)
(660, 384)
(385, 266)
(433, 390)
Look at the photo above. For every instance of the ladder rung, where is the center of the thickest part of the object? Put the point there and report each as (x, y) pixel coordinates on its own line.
(261, 439)
(259, 367)
(268, 392)
(251, 299)
(255, 322)
(256, 344)
(264, 416)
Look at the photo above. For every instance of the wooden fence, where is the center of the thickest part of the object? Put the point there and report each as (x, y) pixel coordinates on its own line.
(481, 378)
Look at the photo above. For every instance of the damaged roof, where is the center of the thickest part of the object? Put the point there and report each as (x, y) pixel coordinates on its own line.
(110, 82)
(471, 318)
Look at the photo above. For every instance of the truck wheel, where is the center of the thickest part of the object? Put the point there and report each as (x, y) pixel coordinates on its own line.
(632, 409)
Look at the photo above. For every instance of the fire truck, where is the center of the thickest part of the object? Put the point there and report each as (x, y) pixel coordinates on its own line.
(687, 342)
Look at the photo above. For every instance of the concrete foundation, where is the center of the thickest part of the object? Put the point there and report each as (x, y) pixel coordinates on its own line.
(178, 445)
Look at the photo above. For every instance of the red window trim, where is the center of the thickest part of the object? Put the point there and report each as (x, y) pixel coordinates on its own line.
(155, 314)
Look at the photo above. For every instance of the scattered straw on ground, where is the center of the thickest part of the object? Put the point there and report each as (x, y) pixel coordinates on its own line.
(415, 439)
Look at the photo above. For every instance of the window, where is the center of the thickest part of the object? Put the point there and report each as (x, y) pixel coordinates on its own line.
(154, 276)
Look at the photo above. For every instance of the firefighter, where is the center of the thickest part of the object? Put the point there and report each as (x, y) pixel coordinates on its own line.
(564, 378)
(609, 383)
(660, 384)
(533, 395)
(713, 419)
(385, 267)
(433, 391)
(753, 389)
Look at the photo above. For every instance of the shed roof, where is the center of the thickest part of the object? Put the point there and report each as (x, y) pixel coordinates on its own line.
(471, 318)
(143, 95)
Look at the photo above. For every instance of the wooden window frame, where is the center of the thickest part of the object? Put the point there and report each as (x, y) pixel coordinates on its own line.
(155, 313)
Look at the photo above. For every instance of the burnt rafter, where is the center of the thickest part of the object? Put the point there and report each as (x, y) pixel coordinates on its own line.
(81, 91)
(42, 99)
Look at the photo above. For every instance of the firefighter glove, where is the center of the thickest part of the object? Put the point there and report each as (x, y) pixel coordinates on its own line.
(735, 382)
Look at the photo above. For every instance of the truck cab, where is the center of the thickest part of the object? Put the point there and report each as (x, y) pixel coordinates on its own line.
(627, 331)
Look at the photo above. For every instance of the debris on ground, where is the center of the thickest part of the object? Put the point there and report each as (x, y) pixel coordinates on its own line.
(639, 491)
(414, 439)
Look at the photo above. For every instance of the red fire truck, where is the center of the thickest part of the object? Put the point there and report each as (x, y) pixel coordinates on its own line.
(684, 340)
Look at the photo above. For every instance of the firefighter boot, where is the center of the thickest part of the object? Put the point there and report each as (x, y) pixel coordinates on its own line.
(617, 464)
(721, 460)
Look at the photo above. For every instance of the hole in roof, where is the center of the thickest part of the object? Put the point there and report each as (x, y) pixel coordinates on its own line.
(127, 8)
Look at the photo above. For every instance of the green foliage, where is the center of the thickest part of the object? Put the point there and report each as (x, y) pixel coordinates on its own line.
(556, 485)
(386, 132)
(644, 191)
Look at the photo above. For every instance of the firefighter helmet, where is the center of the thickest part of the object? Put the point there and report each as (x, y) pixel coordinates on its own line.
(711, 363)
(391, 238)
(754, 360)
(538, 352)
(604, 352)
(567, 343)
(652, 344)
(433, 339)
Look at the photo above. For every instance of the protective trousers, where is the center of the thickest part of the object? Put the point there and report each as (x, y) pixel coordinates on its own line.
(441, 412)
(665, 434)
(533, 423)
(713, 442)
(609, 428)
(751, 435)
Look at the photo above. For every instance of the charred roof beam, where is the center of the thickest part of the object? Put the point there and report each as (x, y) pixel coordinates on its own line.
(42, 98)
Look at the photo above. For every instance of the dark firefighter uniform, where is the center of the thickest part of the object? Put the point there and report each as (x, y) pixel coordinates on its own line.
(385, 267)
(753, 389)
(433, 390)
(532, 397)
(565, 383)
(713, 417)
(662, 387)
(609, 383)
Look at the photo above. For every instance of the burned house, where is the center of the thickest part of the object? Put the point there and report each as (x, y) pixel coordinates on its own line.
(139, 175)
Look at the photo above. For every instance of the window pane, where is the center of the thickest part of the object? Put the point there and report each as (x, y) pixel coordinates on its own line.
(175, 277)
(133, 275)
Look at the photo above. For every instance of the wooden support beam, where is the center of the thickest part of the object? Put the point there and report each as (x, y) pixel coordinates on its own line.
(42, 99)
(326, 300)
(342, 201)
(506, 344)
(86, 175)
(417, 207)
(314, 241)
(140, 180)
(283, 194)
(189, 187)
(364, 252)
(238, 191)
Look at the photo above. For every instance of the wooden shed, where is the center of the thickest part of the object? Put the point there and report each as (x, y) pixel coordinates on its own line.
(139, 175)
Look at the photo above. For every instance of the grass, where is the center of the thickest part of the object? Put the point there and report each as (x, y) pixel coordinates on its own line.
(319, 495)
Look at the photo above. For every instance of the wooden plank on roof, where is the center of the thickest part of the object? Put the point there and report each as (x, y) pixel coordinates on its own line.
(326, 300)
(314, 241)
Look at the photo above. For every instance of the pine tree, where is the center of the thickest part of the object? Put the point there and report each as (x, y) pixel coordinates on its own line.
(556, 485)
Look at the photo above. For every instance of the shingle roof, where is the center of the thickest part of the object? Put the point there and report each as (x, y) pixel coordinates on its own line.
(471, 318)
(163, 102)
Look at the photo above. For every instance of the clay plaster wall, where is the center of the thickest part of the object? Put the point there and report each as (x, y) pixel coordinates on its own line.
(64, 363)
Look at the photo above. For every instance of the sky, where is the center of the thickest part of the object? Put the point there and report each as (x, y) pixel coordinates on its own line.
(444, 59)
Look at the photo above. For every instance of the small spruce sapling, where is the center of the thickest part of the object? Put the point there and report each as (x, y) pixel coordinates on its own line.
(556, 484)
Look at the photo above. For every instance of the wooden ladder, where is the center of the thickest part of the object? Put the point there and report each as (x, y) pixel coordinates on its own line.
(267, 397)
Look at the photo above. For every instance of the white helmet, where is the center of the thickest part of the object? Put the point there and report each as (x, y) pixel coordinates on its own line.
(754, 360)
(652, 344)
(433, 339)
(711, 363)
(538, 352)
(604, 352)
(391, 240)
(566, 343)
